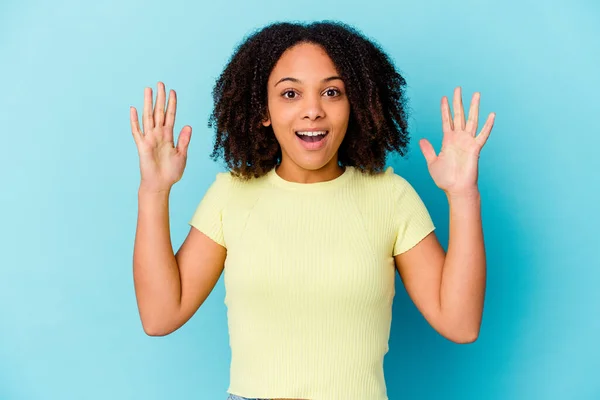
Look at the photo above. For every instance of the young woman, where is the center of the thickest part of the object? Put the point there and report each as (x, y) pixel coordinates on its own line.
(307, 224)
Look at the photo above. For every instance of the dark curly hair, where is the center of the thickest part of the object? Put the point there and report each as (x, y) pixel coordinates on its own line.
(378, 116)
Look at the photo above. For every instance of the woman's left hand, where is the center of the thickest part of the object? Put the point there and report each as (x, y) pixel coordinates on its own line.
(454, 170)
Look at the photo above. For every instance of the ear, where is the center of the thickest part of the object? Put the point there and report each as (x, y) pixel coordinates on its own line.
(267, 119)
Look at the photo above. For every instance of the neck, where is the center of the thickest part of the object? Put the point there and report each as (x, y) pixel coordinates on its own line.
(294, 173)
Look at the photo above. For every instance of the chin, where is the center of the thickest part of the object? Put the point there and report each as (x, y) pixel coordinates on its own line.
(312, 163)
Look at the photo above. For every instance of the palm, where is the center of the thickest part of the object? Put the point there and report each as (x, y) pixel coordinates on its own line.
(454, 169)
(161, 162)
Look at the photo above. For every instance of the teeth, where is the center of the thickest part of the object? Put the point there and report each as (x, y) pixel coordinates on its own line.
(316, 133)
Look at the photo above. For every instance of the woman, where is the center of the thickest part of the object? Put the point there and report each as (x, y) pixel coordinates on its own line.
(306, 224)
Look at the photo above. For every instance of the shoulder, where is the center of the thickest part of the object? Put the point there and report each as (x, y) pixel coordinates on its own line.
(236, 191)
(228, 181)
(401, 188)
(396, 181)
(384, 182)
(220, 185)
(394, 190)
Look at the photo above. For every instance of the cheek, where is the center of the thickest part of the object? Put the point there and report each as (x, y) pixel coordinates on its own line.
(282, 115)
(341, 115)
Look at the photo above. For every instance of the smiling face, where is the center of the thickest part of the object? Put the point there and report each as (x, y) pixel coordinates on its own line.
(308, 110)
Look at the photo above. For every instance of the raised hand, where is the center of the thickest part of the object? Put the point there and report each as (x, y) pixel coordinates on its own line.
(161, 162)
(454, 170)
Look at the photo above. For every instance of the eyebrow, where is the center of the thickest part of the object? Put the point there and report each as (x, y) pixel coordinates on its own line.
(295, 80)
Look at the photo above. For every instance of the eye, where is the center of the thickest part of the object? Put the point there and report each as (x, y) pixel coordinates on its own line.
(292, 94)
(332, 92)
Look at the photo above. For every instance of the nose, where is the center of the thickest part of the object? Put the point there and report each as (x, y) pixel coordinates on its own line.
(313, 108)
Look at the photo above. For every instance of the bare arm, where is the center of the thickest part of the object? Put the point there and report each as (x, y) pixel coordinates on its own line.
(169, 288)
(449, 289)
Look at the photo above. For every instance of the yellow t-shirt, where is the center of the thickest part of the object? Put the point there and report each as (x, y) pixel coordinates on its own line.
(309, 279)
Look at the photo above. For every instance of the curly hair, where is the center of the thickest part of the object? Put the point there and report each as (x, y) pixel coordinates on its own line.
(378, 116)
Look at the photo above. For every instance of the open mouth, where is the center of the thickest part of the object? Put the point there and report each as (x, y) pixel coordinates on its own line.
(312, 137)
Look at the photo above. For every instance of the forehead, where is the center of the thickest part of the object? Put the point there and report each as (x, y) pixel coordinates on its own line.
(304, 61)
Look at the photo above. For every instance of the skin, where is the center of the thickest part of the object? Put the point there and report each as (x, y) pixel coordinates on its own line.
(305, 91)
(447, 288)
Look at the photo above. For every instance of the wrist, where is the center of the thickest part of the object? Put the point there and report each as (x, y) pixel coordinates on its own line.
(145, 190)
(469, 196)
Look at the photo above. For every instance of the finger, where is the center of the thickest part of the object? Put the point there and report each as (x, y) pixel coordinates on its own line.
(147, 120)
(171, 109)
(159, 107)
(486, 130)
(184, 140)
(447, 124)
(135, 125)
(459, 113)
(427, 150)
(473, 120)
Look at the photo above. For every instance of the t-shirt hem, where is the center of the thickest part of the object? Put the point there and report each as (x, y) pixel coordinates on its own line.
(410, 244)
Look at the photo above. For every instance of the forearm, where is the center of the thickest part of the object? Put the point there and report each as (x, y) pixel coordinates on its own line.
(462, 288)
(156, 274)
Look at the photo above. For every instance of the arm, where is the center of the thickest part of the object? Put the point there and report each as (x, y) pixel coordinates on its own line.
(170, 288)
(448, 289)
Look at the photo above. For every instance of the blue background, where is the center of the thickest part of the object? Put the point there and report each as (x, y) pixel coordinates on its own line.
(69, 177)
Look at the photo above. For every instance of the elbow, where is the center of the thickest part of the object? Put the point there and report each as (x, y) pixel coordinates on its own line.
(156, 323)
(460, 331)
(460, 334)
(155, 329)
(464, 337)
(153, 332)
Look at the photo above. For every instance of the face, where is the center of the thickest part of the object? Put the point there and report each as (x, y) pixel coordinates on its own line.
(307, 108)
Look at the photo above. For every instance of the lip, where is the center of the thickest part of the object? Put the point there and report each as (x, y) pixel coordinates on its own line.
(312, 146)
(311, 130)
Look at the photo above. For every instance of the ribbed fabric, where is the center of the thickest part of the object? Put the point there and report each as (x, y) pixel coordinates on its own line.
(309, 279)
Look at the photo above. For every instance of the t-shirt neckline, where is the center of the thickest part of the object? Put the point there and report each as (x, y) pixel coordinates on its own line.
(325, 185)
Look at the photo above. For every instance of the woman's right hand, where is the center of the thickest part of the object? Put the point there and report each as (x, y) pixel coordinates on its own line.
(161, 162)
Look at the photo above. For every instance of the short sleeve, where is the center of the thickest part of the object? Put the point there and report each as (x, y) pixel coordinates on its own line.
(412, 219)
(208, 217)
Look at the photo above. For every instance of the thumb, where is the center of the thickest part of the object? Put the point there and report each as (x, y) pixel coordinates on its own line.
(184, 139)
(427, 150)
